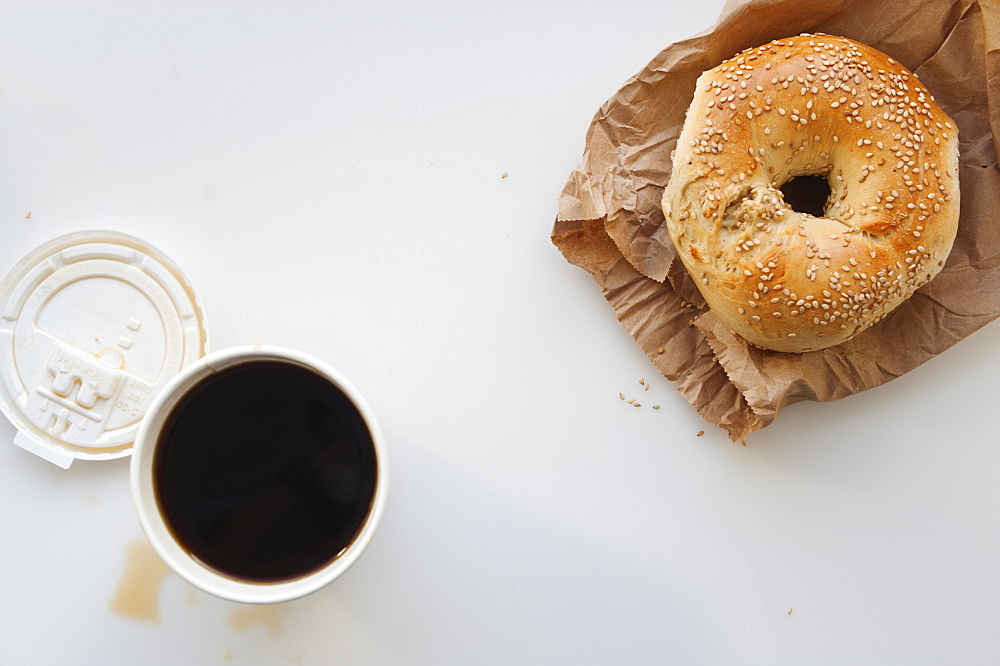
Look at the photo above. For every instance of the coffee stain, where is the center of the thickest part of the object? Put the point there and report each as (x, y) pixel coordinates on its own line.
(228, 655)
(270, 615)
(191, 598)
(298, 659)
(138, 594)
(92, 498)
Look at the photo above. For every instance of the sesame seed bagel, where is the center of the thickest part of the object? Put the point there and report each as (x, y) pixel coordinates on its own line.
(812, 105)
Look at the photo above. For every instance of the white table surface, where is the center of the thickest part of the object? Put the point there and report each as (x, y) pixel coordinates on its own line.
(329, 176)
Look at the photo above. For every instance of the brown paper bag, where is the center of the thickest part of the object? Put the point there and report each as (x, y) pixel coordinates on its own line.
(610, 223)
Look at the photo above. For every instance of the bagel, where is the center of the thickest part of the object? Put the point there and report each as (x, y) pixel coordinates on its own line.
(812, 105)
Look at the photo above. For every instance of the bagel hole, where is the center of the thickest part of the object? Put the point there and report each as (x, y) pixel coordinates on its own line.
(807, 194)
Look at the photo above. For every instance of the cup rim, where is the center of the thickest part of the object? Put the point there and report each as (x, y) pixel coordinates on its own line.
(154, 525)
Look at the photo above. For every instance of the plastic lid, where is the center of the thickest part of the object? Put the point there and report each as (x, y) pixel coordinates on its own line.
(92, 326)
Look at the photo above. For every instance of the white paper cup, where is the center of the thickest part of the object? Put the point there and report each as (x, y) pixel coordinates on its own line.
(148, 505)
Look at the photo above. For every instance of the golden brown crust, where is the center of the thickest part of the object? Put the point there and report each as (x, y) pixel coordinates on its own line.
(812, 105)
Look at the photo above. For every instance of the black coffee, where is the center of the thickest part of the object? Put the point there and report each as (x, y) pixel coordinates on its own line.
(265, 471)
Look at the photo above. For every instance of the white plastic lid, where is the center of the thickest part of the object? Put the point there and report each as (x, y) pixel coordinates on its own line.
(92, 326)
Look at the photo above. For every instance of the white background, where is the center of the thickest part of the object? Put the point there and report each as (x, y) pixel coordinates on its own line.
(329, 177)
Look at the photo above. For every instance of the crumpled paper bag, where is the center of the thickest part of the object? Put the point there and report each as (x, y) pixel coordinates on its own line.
(609, 220)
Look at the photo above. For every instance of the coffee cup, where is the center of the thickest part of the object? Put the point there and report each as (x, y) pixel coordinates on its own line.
(259, 474)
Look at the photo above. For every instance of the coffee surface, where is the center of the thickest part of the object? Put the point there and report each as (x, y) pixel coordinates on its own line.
(265, 471)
